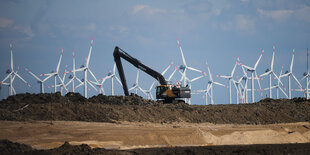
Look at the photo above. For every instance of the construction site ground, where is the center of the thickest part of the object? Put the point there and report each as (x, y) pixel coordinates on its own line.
(130, 125)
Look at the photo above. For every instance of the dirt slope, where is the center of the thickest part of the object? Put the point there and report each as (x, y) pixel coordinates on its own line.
(66, 148)
(74, 107)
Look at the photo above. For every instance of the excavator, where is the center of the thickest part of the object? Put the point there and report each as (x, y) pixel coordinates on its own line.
(165, 92)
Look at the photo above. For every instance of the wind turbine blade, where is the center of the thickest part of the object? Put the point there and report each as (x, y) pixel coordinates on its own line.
(163, 73)
(151, 86)
(11, 49)
(272, 60)
(224, 76)
(47, 77)
(267, 73)
(89, 53)
(6, 77)
(196, 70)
(260, 57)
(80, 69)
(303, 78)
(58, 65)
(81, 84)
(143, 91)
(233, 71)
(257, 80)
(247, 67)
(283, 92)
(183, 59)
(292, 62)
(62, 83)
(299, 85)
(279, 81)
(217, 83)
(210, 75)
(199, 77)
(92, 74)
(92, 86)
(119, 81)
(171, 75)
(32, 74)
(132, 88)
(23, 80)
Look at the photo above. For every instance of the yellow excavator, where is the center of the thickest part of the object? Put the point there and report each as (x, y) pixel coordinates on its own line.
(166, 92)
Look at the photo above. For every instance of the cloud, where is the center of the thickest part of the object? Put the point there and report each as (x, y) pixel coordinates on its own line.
(279, 15)
(303, 13)
(4, 22)
(25, 30)
(147, 9)
(245, 24)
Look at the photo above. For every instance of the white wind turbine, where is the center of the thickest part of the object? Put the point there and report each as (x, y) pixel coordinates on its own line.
(112, 76)
(209, 90)
(56, 74)
(41, 82)
(73, 76)
(270, 72)
(136, 85)
(277, 86)
(86, 70)
(11, 75)
(60, 85)
(245, 77)
(306, 76)
(238, 86)
(290, 74)
(185, 67)
(230, 79)
(253, 71)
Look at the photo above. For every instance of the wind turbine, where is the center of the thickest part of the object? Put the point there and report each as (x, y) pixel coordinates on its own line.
(56, 74)
(11, 75)
(209, 90)
(111, 75)
(136, 85)
(41, 82)
(86, 70)
(73, 77)
(185, 67)
(230, 79)
(269, 72)
(253, 71)
(289, 74)
(306, 76)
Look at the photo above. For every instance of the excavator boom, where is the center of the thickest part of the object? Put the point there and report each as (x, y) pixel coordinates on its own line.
(119, 53)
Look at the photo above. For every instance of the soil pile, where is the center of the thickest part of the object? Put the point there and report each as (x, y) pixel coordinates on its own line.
(6, 148)
(101, 108)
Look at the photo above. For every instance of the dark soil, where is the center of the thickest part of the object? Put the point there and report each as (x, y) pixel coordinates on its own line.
(7, 147)
(74, 107)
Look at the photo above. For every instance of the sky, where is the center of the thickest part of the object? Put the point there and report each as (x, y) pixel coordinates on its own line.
(213, 31)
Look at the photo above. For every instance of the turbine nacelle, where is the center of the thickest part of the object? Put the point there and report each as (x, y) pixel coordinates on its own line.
(304, 74)
(182, 67)
(8, 71)
(267, 70)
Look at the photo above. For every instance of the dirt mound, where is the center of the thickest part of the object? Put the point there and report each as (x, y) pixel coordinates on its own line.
(6, 148)
(101, 108)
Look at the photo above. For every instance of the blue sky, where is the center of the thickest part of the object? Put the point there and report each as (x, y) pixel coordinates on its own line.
(217, 31)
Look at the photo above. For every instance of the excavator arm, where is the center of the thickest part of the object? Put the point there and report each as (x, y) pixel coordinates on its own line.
(119, 53)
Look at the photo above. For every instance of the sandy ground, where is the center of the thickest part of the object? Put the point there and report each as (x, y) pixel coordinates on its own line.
(126, 135)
